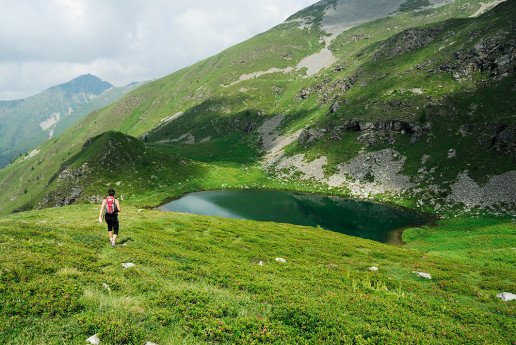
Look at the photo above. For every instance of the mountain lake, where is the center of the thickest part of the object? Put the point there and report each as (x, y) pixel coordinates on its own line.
(365, 219)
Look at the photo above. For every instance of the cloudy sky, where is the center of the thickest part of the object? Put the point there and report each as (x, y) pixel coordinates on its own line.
(48, 42)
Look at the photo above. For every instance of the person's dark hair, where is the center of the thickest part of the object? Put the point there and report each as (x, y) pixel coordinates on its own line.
(111, 192)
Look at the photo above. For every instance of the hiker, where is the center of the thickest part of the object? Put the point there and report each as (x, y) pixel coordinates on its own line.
(112, 206)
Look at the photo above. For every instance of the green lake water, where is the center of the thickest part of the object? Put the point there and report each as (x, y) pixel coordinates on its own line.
(371, 220)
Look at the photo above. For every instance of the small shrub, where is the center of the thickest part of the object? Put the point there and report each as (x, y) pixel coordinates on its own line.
(245, 330)
(457, 287)
(48, 297)
(112, 327)
(304, 320)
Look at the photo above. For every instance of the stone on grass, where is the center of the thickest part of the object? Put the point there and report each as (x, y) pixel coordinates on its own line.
(280, 260)
(373, 268)
(260, 263)
(127, 264)
(506, 296)
(93, 340)
(424, 275)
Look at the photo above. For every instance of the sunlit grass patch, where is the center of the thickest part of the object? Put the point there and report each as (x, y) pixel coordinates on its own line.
(104, 299)
(68, 271)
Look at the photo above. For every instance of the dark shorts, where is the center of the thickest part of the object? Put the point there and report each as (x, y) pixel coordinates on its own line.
(112, 223)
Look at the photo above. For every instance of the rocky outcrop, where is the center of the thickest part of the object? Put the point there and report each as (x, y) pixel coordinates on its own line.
(71, 190)
(505, 141)
(365, 175)
(372, 173)
(249, 128)
(498, 136)
(494, 56)
(500, 189)
(73, 195)
(329, 91)
(304, 93)
(87, 143)
(408, 41)
(384, 131)
(370, 133)
(337, 103)
(311, 135)
(71, 174)
(360, 37)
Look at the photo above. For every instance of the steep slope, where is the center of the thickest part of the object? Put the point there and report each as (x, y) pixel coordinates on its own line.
(388, 120)
(430, 109)
(113, 160)
(396, 113)
(26, 123)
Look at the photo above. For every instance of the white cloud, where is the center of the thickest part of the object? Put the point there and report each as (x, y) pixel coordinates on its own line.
(48, 42)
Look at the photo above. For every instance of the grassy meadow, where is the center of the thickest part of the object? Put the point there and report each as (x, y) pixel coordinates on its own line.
(201, 280)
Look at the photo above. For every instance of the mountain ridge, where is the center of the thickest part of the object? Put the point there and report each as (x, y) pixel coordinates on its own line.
(342, 128)
(86, 83)
(28, 122)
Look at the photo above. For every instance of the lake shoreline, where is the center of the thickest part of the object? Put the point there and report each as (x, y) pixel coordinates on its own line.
(377, 221)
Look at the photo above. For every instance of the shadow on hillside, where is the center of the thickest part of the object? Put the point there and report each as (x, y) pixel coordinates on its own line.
(207, 133)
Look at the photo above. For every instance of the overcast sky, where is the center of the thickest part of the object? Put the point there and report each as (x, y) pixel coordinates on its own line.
(48, 42)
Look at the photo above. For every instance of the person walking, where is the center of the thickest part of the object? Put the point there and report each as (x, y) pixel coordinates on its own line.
(112, 206)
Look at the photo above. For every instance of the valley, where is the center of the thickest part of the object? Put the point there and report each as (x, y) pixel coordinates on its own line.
(409, 103)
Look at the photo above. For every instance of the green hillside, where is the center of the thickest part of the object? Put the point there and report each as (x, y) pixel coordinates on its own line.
(415, 108)
(427, 98)
(27, 123)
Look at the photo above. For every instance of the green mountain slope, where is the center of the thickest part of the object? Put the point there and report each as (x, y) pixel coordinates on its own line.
(98, 163)
(26, 123)
(414, 108)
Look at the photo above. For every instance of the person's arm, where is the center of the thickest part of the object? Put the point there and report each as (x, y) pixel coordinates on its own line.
(102, 209)
(117, 203)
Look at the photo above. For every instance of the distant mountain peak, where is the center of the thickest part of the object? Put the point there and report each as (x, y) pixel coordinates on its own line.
(86, 83)
(26, 123)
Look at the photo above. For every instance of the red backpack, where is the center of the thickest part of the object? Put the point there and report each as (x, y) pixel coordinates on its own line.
(110, 205)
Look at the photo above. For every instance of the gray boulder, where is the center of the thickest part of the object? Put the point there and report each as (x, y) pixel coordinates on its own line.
(93, 340)
(506, 296)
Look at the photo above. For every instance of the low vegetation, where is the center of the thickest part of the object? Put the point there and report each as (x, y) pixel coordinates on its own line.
(209, 280)
(201, 279)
